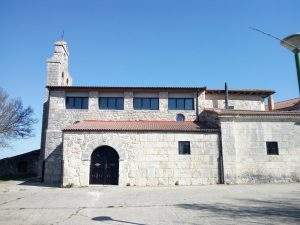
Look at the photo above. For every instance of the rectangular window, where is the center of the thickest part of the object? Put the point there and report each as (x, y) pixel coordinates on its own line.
(146, 103)
(111, 103)
(181, 103)
(184, 148)
(272, 148)
(77, 102)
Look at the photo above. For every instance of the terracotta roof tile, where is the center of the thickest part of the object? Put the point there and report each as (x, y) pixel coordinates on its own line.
(96, 125)
(290, 104)
(259, 92)
(227, 112)
(82, 88)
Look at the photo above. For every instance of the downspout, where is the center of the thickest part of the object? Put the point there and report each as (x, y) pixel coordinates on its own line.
(62, 161)
(220, 158)
(226, 96)
(197, 104)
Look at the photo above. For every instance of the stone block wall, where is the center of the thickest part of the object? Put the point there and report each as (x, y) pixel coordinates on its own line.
(59, 118)
(240, 102)
(146, 158)
(245, 153)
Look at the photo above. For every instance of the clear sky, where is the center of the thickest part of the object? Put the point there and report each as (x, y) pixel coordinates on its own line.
(139, 42)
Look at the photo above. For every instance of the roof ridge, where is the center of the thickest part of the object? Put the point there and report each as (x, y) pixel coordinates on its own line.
(288, 100)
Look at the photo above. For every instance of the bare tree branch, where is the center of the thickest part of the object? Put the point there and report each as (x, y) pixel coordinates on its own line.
(15, 120)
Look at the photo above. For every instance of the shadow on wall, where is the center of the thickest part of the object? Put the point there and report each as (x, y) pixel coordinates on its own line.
(282, 210)
(107, 218)
(53, 168)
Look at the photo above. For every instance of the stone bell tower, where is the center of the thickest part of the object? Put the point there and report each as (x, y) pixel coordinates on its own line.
(57, 66)
(57, 75)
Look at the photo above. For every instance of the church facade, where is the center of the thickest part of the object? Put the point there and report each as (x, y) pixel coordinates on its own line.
(150, 136)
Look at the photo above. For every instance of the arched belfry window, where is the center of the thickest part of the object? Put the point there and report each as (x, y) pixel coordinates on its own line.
(180, 117)
(62, 74)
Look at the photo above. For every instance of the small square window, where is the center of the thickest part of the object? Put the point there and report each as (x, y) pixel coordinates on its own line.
(184, 148)
(272, 148)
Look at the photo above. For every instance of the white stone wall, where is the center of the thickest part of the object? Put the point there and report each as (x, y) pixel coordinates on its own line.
(245, 154)
(60, 117)
(146, 158)
(240, 102)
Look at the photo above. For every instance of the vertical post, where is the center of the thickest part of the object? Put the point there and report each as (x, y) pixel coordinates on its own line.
(226, 96)
(297, 59)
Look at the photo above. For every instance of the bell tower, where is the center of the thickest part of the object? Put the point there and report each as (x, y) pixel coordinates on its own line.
(57, 66)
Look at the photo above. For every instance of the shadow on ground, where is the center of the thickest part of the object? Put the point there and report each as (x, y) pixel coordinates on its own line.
(107, 218)
(282, 210)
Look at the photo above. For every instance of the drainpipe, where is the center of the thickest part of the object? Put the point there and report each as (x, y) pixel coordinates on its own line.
(226, 96)
(220, 159)
(197, 104)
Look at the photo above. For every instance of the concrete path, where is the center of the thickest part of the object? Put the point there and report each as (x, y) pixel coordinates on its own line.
(29, 203)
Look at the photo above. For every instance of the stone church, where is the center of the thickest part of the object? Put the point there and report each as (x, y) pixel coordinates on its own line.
(150, 136)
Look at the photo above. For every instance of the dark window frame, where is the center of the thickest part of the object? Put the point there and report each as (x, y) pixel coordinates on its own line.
(143, 103)
(184, 147)
(108, 101)
(272, 148)
(177, 104)
(72, 101)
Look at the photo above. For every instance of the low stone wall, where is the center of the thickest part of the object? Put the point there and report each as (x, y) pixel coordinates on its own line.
(245, 153)
(24, 165)
(145, 158)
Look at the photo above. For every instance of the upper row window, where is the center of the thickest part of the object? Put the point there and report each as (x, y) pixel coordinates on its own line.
(138, 103)
(111, 103)
(77, 102)
(181, 103)
(146, 103)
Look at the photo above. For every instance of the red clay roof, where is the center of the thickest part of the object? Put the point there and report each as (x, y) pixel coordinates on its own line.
(82, 88)
(228, 112)
(96, 125)
(263, 93)
(290, 104)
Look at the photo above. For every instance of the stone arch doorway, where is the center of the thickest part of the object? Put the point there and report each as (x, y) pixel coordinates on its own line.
(104, 168)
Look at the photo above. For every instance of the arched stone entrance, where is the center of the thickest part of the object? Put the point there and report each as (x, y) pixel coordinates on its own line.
(104, 168)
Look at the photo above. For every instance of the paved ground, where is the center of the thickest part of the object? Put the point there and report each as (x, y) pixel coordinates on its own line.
(217, 204)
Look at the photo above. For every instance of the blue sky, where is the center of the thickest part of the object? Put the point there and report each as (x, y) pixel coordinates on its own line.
(139, 42)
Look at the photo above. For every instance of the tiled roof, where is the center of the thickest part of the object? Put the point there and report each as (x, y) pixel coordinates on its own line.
(263, 93)
(253, 113)
(290, 104)
(96, 125)
(122, 88)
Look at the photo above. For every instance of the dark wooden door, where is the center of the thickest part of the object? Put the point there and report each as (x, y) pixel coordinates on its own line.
(104, 166)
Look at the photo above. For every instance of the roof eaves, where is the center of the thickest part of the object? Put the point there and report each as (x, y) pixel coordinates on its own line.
(122, 87)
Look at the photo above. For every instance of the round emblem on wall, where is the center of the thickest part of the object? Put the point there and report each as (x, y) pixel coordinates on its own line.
(180, 117)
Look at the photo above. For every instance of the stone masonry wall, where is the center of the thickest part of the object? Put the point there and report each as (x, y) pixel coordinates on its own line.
(240, 102)
(146, 158)
(60, 117)
(245, 154)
